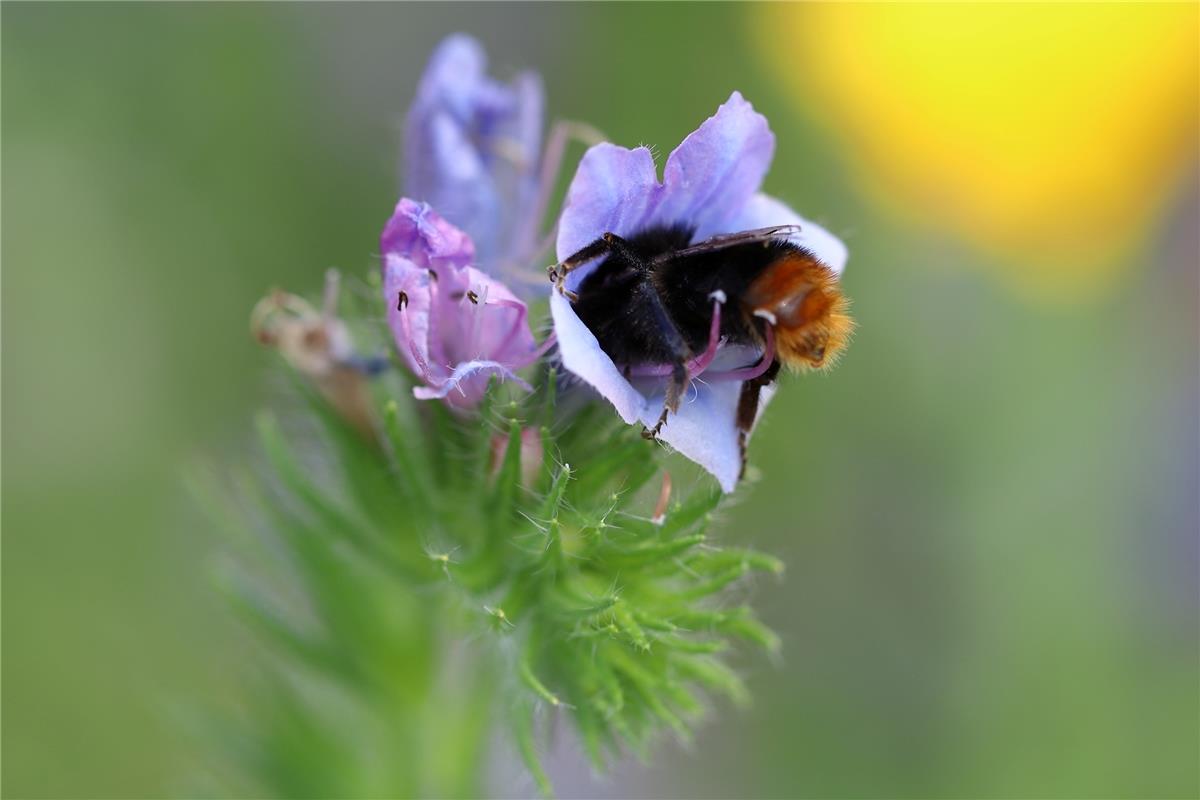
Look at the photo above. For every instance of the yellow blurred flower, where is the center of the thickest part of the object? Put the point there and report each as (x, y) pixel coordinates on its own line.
(1049, 134)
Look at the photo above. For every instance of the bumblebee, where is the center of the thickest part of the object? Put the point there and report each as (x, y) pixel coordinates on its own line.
(658, 304)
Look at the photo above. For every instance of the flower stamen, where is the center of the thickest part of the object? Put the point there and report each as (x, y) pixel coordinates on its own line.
(701, 362)
(750, 373)
(519, 323)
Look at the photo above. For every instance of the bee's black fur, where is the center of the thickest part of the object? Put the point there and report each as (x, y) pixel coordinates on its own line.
(650, 302)
(644, 309)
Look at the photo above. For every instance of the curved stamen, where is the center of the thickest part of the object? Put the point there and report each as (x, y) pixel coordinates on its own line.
(750, 373)
(518, 323)
(517, 326)
(698, 365)
(701, 362)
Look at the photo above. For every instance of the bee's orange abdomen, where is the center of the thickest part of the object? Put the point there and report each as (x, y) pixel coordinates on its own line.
(803, 299)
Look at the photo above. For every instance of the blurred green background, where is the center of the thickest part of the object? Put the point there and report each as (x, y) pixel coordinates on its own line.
(989, 510)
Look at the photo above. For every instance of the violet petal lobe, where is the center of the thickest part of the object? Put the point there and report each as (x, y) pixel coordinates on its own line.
(707, 180)
(717, 168)
(418, 233)
(615, 190)
(472, 146)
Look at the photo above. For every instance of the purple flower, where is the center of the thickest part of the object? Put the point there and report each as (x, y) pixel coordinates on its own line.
(711, 183)
(472, 147)
(454, 326)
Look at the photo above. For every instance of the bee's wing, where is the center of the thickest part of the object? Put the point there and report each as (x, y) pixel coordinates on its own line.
(722, 241)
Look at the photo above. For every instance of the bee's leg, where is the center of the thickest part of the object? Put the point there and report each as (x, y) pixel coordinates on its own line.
(675, 388)
(558, 272)
(747, 410)
(673, 343)
(608, 243)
